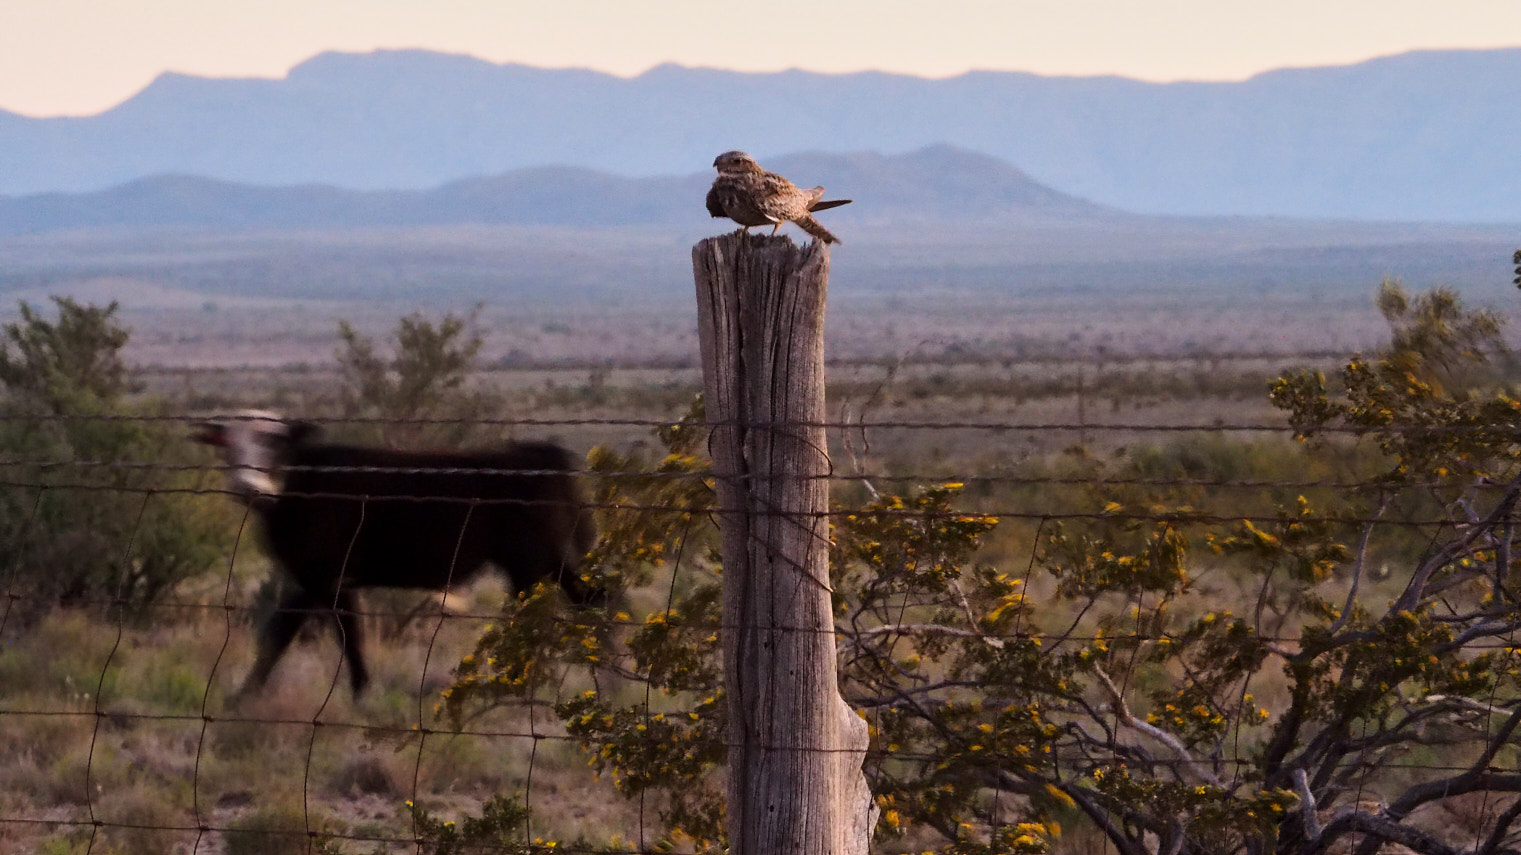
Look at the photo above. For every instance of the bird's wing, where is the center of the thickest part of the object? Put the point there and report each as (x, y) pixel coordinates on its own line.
(775, 185)
(781, 199)
(715, 204)
(832, 203)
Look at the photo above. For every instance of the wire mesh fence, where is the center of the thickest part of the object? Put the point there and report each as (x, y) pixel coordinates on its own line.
(1028, 643)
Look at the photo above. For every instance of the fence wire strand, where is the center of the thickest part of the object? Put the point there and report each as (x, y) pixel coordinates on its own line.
(1214, 426)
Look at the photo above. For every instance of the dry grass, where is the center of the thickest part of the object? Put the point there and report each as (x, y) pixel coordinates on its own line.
(300, 755)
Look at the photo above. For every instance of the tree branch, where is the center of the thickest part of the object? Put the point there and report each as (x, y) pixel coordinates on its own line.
(1122, 712)
(922, 629)
(1497, 834)
(1415, 591)
(1357, 569)
(1307, 807)
(1377, 831)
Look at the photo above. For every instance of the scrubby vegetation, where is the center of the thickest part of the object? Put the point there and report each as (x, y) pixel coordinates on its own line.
(1201, 641)
(1156, 675)
(93, 531)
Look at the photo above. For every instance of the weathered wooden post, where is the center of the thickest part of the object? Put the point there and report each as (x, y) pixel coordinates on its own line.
(795, 746)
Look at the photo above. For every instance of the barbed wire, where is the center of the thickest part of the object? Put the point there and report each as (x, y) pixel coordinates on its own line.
(919, 358)
(684, 622)
(879, 753)
(1376, 482)
(1217, 426)
(372, 730)
(1175, 517)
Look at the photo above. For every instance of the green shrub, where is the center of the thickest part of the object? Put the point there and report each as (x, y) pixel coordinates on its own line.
(80, 524)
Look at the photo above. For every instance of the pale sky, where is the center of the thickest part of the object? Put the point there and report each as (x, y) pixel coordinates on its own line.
(75, 57)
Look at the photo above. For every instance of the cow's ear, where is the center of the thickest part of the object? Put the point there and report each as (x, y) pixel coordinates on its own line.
(300, 431)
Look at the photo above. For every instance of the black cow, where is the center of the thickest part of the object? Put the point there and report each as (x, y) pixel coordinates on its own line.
(350, 517)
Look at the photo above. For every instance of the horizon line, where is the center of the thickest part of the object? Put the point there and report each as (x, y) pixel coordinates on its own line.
(172, 73)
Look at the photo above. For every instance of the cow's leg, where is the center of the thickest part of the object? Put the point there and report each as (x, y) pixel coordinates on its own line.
(351, 635)
(296, 605)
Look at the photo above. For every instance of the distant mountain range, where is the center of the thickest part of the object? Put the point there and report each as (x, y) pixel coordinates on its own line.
(936, 184)
(1429, 136)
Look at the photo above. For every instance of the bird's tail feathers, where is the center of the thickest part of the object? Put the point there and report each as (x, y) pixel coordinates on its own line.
(832, 203)
(811, 226)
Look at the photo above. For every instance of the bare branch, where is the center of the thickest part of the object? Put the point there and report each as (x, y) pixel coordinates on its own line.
(1307, 808)
(1467, 782)
(1464, 703)
(1122, 712)
(971, 618)
(1498, 834)
(1377, 830)
(923, 629)
(901, 696)
(1357, 569)
(1502, 562)
(1415, 591)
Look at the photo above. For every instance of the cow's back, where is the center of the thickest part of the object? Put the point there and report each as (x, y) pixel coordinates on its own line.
(381, 517)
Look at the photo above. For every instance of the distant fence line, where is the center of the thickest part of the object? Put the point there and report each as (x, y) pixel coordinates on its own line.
(488, 617)
(864, 424)
(1179, 517)
(914, 358)
(890, 477)
(1435, 766)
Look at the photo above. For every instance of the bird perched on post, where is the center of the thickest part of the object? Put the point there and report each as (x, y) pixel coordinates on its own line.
(751, 196)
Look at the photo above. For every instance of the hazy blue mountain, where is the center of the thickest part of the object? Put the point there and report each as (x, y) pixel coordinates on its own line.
(1429, 135)
(935, 184)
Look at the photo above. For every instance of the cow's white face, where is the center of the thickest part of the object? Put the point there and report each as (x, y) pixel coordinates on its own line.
(253, 443)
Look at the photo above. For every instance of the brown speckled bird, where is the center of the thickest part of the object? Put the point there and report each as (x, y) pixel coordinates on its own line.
(751, 196)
